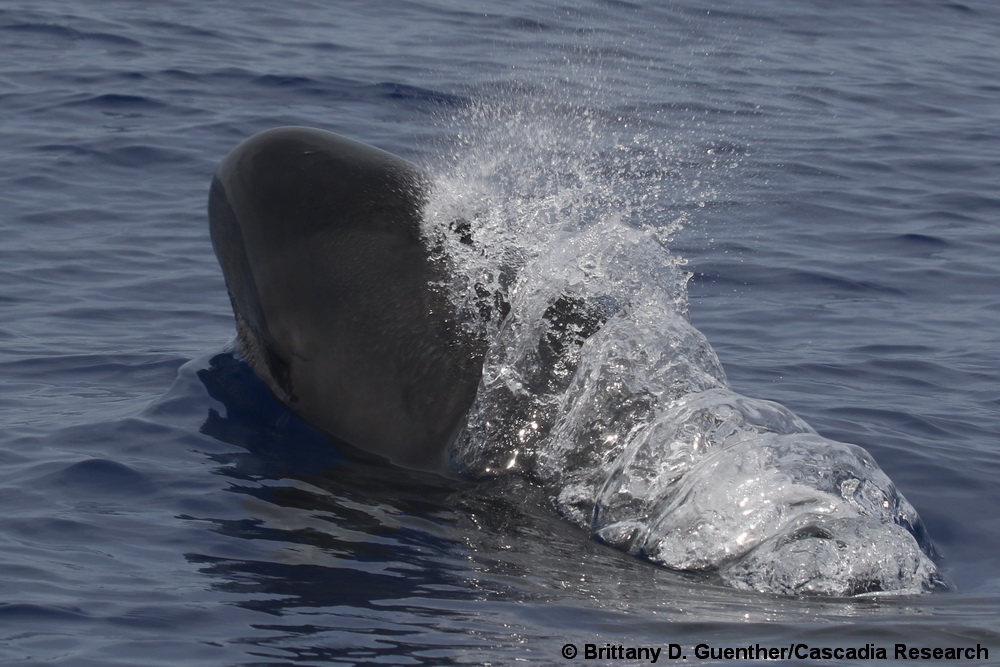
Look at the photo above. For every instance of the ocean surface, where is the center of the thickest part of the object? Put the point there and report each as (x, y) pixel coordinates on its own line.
(822, 178)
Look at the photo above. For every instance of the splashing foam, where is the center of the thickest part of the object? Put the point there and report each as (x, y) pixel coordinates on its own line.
(596, 385)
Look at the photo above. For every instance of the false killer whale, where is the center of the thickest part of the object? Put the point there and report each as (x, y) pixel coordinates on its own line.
(339, 305)
(344, 309)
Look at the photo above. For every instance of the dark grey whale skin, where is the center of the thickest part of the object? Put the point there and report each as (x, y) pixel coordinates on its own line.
(339, 306)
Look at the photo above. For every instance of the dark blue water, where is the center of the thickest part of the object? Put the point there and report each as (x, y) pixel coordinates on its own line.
(834, 171)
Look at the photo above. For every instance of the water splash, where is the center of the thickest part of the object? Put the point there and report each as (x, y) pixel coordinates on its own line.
(557, 227)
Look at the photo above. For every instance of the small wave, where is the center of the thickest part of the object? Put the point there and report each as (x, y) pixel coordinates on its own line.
(400, 91)
(101, 477)
(20, 611)
(54, 31)
(117, 101)
(116, 154)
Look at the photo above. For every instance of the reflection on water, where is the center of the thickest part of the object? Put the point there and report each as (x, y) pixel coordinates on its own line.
(352, 560)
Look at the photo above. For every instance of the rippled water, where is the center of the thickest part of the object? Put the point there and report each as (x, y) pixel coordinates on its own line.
(827, 174)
